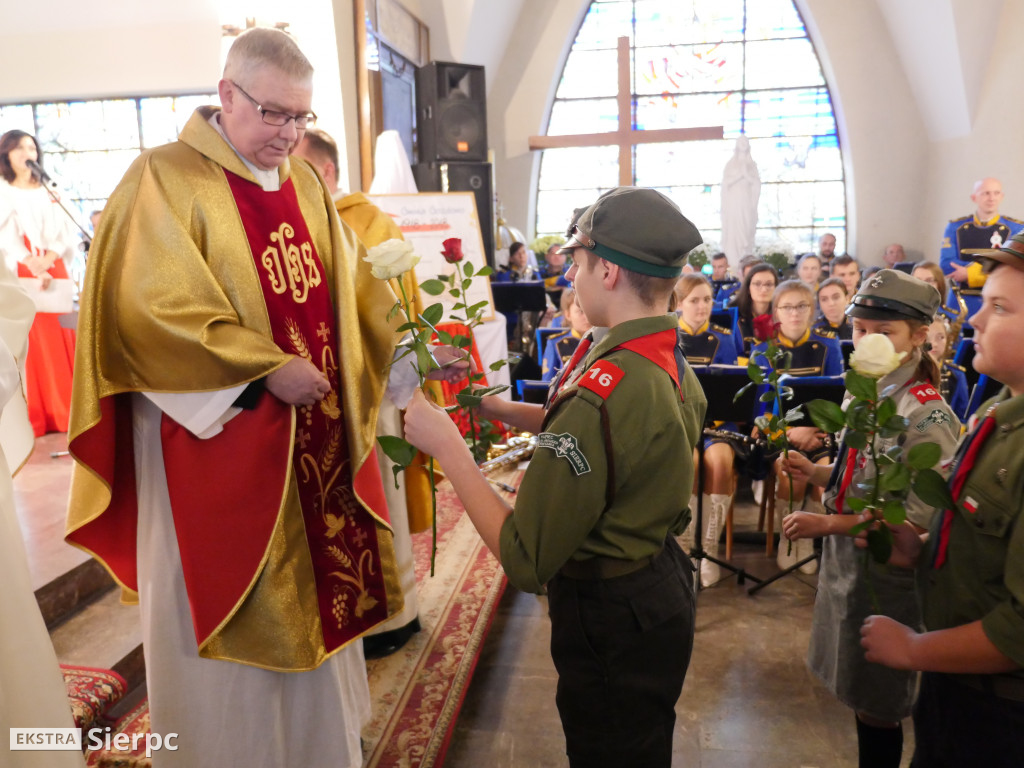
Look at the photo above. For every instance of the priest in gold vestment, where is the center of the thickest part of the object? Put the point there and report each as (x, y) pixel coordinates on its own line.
(226, 395)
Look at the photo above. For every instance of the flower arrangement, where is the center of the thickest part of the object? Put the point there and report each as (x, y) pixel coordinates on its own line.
(773, 425)
(702, 254)
(393, 258)
(777, 252)
(540, 245)
(871, 415)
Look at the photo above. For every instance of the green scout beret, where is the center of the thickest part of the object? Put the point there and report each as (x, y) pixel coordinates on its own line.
(638, 229)
(1011, 253)
(890, 294)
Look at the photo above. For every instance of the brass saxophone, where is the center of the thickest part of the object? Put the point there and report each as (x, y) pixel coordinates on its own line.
(952, 339)
(518, 448)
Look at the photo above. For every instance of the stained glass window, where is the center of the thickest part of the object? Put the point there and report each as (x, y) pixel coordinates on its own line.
(88, 145)
(746, 65)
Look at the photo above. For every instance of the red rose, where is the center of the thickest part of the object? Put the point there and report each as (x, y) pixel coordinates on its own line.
(452, 250)
(765, 327)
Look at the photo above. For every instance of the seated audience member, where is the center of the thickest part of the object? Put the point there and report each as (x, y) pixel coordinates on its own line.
(754, 298)
(813, 355)
(894, 254)
(559, 348)
(719, 267)
(808, 269)
(970, 704)
(845, 267)
(832, 301)
(749, 262)
(518, 268)
(953, 377)
(827, 251)
(704, 343)
(553, 272)
(931, 273)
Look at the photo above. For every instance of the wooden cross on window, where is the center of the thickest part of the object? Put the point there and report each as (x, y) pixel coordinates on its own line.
(626, 137)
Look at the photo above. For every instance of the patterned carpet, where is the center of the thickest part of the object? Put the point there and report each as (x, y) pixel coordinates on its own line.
(417, 692)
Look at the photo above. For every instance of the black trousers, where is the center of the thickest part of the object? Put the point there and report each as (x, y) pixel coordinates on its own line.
(957, 726)
(621, 647)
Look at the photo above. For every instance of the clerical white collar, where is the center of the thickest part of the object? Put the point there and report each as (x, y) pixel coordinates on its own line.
(269, 180)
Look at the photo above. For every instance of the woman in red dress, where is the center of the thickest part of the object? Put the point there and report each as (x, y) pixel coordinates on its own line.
(36, 241)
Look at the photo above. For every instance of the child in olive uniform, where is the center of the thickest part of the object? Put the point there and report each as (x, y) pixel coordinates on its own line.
(606, 492)
(900, 307)
(970, 709)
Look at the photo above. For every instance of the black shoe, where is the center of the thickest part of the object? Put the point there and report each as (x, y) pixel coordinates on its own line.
(385, 643)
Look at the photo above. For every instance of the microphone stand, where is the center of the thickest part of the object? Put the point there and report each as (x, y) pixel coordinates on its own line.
(42, 177)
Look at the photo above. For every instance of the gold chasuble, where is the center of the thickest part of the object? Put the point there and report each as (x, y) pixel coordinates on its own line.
(200, 281)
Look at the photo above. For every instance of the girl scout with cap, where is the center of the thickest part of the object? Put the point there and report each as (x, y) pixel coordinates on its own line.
(900, 307)
(970, 709)
(599, 508)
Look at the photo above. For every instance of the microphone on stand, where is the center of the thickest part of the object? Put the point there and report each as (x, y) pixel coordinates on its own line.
(39, 173)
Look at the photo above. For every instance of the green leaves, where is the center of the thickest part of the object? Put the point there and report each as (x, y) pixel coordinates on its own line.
(754, 373)
(826, 415)
(861, 386)
(924, 456)
(400, 451)
(932, 489)
(895, 477)
(433, 287)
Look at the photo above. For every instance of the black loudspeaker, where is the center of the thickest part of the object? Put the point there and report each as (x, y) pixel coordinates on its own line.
(463, 177)
(451, 115)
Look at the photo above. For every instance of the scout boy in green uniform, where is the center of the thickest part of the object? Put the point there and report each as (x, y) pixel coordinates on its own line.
(606, 493)
(970, 710)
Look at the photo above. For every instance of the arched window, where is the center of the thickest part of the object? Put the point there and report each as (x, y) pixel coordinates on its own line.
(746, 65)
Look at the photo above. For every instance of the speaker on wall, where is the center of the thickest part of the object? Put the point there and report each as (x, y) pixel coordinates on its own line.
(451, 114)
(463, 177)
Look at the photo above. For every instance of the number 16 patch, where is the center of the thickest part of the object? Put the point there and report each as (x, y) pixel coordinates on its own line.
(602, 378)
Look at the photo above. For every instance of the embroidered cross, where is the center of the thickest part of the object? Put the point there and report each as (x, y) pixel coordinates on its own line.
(302, 439)
(323, 332)
(359, 536)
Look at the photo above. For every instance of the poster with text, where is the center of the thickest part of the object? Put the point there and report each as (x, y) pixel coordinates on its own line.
(428, 219)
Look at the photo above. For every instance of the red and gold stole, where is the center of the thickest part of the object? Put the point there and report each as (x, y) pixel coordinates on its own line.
(341, 534)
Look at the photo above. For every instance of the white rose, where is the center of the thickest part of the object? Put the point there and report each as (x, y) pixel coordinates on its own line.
(391, 259)
(875, 356)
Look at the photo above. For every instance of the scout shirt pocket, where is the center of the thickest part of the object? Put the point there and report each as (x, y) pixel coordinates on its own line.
(989, 513)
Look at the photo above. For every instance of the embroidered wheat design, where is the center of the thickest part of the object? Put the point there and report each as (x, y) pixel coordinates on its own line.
(296, 339)
(343, 560)
(331, 449)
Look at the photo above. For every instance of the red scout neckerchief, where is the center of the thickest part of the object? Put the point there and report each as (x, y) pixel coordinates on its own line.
(963, 464)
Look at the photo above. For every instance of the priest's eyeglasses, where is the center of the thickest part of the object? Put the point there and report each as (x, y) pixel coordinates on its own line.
(273, 117)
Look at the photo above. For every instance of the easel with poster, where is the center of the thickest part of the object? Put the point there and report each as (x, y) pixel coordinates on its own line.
(428, 219)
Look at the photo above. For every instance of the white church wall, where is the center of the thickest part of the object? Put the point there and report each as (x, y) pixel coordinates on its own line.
(63, 49)
(994, 146)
